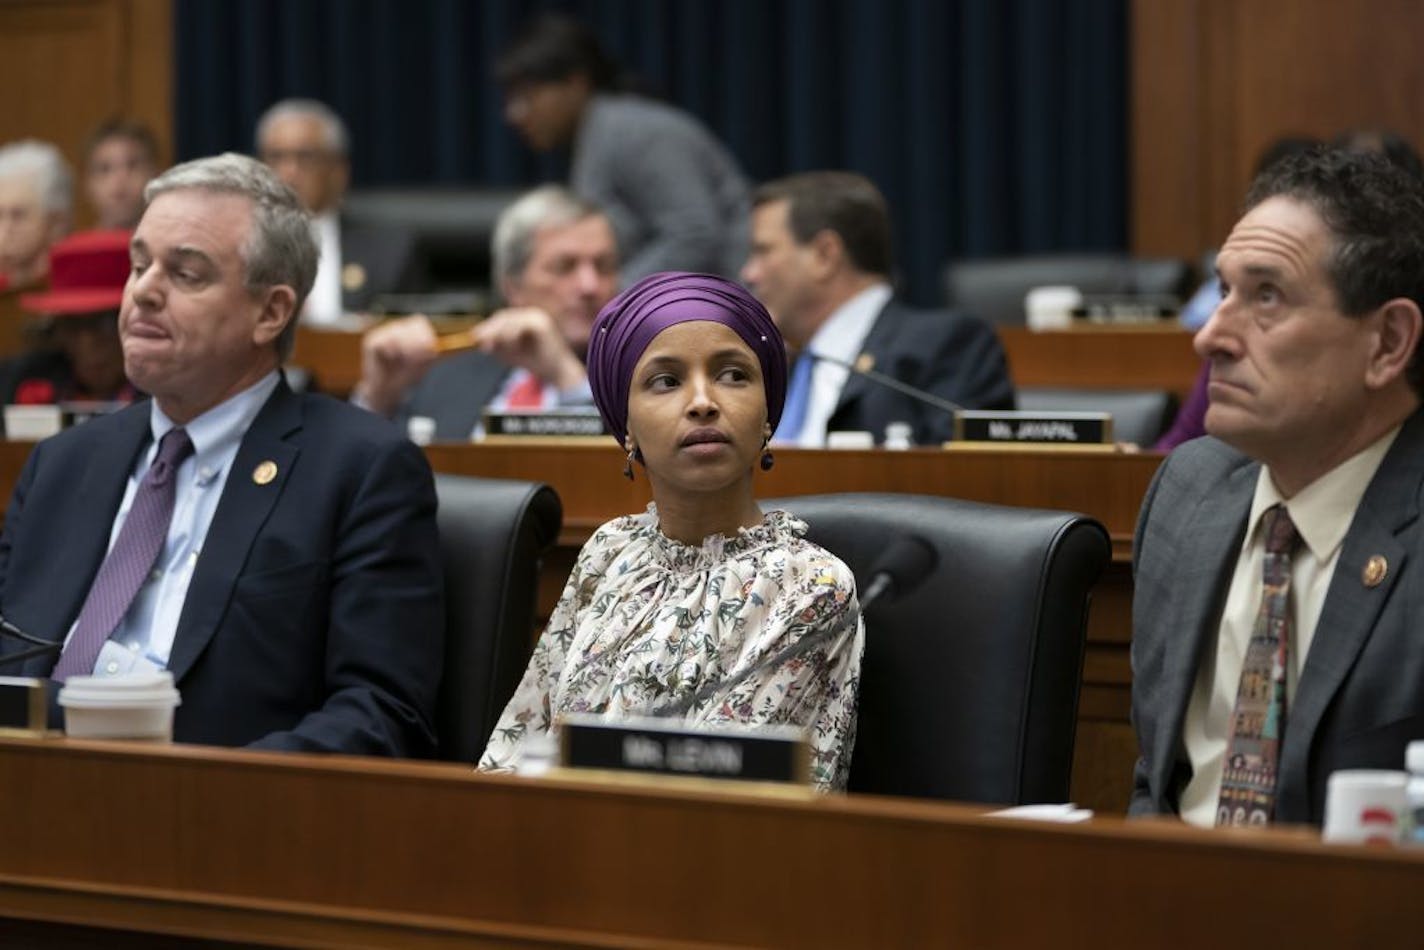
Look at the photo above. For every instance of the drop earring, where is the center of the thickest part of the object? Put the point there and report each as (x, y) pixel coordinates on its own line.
(628, 466)
(767, 460)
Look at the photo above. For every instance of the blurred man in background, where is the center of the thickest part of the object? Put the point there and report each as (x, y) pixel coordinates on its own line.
(307, 145)
(821, 261)
(555, 265)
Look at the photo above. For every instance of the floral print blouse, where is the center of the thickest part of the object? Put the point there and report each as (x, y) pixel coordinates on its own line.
(645, 620)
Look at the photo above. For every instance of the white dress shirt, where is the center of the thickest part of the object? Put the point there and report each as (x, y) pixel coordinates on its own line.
(323, 304)
(840, 337)
(1321, 512)
(144, 638)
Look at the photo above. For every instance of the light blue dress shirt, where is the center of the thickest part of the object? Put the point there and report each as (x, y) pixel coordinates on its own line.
(144, 638)
(1198, 310)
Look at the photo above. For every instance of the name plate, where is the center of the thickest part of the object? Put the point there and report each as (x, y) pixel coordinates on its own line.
(1070, 428)
(1126, 310)
(544, 423)
(662, 747)
(24, 706)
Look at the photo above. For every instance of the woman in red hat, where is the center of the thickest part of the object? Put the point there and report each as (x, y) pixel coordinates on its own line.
(79, 358)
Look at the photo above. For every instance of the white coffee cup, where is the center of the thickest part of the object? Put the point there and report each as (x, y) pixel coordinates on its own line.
(131, 706)
(1365, 806)
(1051, 308)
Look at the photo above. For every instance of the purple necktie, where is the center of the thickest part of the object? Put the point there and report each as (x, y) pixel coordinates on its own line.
(133, 555)
(1248, 782)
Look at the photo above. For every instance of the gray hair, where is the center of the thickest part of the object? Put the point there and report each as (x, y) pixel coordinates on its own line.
(334, 131)
(46, 166)
(513, 242)
(281, 250)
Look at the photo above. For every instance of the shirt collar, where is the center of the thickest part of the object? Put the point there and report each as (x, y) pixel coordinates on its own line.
(845, 330)
(1322, 511)
(222, 426)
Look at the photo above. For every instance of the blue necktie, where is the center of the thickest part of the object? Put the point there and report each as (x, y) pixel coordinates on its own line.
(798, 400)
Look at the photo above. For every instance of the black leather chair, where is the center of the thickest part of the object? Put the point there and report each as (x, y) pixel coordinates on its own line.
(969, 686)
(993, 288)
(1139, 415)
(452, 228)
(492, 535)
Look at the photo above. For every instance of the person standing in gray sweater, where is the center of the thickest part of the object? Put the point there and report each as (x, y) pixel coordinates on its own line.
(675, 195)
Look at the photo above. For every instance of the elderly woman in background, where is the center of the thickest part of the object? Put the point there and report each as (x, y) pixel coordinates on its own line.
(689, 374)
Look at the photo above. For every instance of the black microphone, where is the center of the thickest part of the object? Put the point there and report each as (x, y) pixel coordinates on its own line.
(884, 379)
(905, 564)
(42, 647)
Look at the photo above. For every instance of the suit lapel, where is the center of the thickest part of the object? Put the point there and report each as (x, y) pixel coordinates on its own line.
(242, 511)
(856, 386)
(1351, 608)
(1207, 559)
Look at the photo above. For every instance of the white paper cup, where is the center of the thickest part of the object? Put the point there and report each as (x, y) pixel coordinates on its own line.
(134, 706)
(1365, 806)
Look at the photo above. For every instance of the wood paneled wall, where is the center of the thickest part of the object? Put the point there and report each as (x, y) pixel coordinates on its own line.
(1214, 81)
(66, 65)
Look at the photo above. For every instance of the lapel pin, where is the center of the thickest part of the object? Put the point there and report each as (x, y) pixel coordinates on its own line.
(865, 362)
(264, 472)
(353, 277)
(1375, 570)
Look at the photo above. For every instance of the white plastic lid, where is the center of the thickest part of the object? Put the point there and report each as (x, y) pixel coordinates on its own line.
(129, 689)
(1414, 757)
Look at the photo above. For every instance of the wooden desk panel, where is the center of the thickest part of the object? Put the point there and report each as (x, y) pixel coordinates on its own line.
(1141, 358)
(303, 850)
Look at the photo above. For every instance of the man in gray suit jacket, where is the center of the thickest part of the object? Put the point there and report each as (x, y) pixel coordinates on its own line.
(1314, 408)
(556, 265)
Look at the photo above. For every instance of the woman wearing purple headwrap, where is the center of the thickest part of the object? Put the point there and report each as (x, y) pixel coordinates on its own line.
(689, 374)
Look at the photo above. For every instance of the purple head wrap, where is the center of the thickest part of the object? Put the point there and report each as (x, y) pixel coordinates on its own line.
(628, 323)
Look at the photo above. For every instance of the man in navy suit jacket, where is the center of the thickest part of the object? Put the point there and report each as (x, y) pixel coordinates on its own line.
(297, 596)
(821, 262)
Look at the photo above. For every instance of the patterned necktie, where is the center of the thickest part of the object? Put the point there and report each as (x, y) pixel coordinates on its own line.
(1248, 780)
(798, 400)
(126, 567)
(528, 393)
